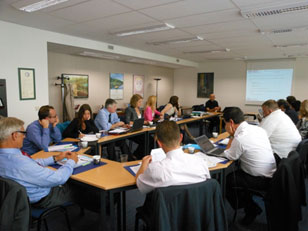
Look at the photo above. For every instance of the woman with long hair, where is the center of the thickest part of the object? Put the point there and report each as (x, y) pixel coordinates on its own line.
(150, 109)
(302, 124)
(81, 125)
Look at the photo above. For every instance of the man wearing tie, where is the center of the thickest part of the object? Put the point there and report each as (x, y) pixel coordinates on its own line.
(107, 119)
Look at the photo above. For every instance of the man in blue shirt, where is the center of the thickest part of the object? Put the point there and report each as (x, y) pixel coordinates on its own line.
(42, 132)
(42, 184)
(107, 119)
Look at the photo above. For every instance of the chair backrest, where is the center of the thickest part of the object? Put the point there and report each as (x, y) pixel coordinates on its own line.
(302, 149)
(63, 126)
(189, 207)
(14, 206)
(286, 194)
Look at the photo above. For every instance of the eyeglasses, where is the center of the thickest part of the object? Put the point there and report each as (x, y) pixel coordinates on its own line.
(52, 117)
(22, 132)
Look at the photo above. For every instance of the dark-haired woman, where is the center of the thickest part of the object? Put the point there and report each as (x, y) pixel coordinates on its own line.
(81, 125)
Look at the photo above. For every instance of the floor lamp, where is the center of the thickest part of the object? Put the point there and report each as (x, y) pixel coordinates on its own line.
(157, 79)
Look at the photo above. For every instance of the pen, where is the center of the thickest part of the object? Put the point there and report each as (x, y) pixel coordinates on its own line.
(86, 164)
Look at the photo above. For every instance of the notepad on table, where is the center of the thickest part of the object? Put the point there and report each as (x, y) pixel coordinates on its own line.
(82, 161)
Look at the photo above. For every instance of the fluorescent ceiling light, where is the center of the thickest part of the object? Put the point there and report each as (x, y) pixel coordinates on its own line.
(176, 41)
(134, 60)
(283, 30)
(268, 11)
(99, 55)
(291, 45)
(143, 30)
(207, 52)
(41, 5)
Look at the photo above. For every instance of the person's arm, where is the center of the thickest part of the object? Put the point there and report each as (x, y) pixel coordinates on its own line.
(157, 112)
(38, 138)
(234, 151)
(148, 114)
(145, 163)
(55, 134)
(101, 121)
(268, 125)
(167, 108)
(71, 130)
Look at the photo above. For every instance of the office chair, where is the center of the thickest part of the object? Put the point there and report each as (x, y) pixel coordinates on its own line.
(187, 207)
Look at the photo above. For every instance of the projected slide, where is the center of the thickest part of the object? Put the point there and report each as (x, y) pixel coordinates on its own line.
(262, 85)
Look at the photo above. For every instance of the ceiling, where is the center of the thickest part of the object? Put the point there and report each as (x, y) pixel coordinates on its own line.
(219, 22)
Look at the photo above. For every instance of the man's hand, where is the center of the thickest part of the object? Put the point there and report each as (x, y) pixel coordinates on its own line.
(56, 122)
(119, 124)
(44, 123)
(145, 163)
(73, 156)
(61, 156)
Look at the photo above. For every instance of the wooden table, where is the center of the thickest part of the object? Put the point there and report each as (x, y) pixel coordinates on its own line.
(114, 178)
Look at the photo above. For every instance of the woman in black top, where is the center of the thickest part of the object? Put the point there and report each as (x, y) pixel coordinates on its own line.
(81, 125)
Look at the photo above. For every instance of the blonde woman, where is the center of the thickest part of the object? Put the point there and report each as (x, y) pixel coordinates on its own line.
(302, 124)
(150, 109)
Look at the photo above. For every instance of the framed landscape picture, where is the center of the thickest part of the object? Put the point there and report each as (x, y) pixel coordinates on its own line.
(205, 85)
(116, 86)
(80, 84)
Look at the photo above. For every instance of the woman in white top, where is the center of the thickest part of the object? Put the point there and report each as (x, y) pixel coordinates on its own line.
(302, 124)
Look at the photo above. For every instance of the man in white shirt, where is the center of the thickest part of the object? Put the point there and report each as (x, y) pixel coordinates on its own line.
(178, 168)
(250, 145)
(280, 129)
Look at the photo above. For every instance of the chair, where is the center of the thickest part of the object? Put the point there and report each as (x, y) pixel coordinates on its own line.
(15, 209)
(187, 207)
(285, 195)
(302, 149)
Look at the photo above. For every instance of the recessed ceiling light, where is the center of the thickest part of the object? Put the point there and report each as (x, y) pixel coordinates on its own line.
(99, 55)
(143, 30)
(176, 41)
(268, 11)
(283, 30)
(40, 5)
(291, 45)
(207, 51)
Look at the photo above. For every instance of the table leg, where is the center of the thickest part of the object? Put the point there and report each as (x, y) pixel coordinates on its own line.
(124, 210)
(112, 211)
(119, 213)
(146, 146)
(103, 217)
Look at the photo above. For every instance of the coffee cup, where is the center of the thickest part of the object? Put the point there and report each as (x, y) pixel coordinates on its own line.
(215, 134)
(191, 150)
(96, 159)
(150, 122)
(98, 135)
(84, 144)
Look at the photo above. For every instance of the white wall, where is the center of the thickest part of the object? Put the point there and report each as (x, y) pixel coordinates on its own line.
(98, 71)
(230, 83)
(23, 47)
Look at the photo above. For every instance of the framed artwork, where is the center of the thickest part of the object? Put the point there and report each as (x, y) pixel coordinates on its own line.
(138, 84)
(205, 85)
(116, 86)
(80, 84)
(26, 78)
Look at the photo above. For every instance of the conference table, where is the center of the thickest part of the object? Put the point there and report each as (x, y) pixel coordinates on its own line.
(113, 178)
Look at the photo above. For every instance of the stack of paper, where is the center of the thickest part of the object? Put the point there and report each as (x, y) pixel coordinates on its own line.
(82, 161)
(61, 148)
(89, 137)
(118, 130)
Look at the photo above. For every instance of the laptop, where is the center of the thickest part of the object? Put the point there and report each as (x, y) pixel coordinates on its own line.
(207, 147)
(137, 125)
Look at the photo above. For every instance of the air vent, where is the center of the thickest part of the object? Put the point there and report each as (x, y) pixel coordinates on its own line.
(110, 47)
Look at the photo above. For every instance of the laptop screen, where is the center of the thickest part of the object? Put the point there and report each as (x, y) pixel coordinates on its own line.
(204, 143)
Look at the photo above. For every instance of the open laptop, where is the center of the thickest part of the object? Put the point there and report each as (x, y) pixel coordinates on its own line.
(207, 147)
(137, 125)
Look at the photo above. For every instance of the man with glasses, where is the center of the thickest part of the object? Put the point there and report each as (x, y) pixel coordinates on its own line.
(42, 132)
(45, 187)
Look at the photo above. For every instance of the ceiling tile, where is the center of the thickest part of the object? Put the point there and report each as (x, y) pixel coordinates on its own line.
(185, 8)
(139, 4)
(90, 10)
(206, 18)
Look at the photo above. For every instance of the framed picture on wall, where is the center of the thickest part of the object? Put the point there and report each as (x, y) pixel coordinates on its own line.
(26, 79)
(116, 86)
(138, 84)
(205, 85)
(80, 84)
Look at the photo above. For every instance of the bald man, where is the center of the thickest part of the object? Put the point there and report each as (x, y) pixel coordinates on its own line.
(212, 106)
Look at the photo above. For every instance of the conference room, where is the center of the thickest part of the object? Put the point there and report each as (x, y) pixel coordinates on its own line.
(71, 53)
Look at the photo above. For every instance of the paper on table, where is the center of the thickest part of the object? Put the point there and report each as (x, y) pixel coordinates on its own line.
(61, 148)
(89, 137)
(82, 161)
(135, 168)
(118, 130)
(224, 141)
(158, 154)
(212, 161)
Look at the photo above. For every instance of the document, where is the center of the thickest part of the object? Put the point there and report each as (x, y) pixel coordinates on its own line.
(89, 137)
(82, 161)
(135, 168)
(224, 141)
(61, 148)
(158, 154)
(118, 130)
(211, 161)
